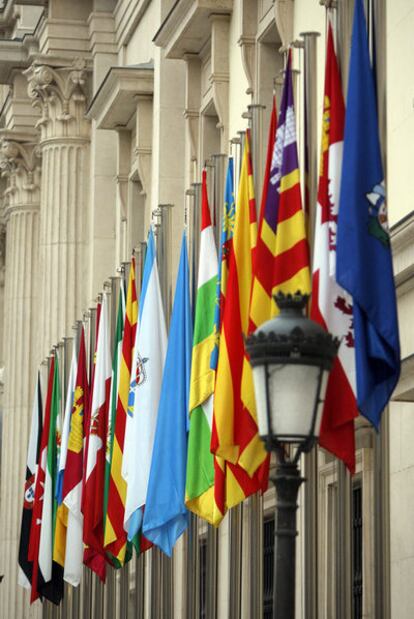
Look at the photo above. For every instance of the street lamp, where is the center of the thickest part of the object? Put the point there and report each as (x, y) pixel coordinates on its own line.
(291, 357)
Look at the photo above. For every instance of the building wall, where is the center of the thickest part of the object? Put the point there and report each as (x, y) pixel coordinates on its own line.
(152, 157)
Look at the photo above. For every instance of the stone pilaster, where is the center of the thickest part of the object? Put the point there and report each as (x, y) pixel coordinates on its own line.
(20, 165)
(61, 95)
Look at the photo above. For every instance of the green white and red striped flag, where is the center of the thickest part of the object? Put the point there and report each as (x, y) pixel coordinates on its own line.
(200, 497)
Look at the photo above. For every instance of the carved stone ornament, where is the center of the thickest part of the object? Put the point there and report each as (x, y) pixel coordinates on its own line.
(60, 94)
(20, 165)
(220, 76)
(284, 22)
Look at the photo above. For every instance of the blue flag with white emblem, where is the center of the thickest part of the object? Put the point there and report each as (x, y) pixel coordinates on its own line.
(165, 515)
(364, 260)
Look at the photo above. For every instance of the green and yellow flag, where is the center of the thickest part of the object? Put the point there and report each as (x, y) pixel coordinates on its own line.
(200, 496)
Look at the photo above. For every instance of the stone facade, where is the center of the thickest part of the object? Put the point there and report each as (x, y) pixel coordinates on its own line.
(110, 109)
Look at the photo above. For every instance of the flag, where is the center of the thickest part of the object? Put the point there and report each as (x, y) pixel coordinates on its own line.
(25, 564)
(38, 577)
(93, 525)
(87, 419)
(331, 306)
(282, 256)
(52, 571)
(72, 481)
(364, 260)
(116, 362)
(227, 229)
(66, 426)
(146, 376)
(115, 534)
(262, 305)
(59, 549)
(166, 516)
(200, 482)
(234, 436)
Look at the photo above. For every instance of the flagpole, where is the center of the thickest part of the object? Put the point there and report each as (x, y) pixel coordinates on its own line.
(164, 253)
(255, 502)
(258, 153)
(77, 591)
(164, 262)
(194, 218)
(89, 325)
(308, 45)
(236, 513)
(219, 169)
(192, 550)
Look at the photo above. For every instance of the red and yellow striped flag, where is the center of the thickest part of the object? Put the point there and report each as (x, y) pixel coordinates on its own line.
(282, 257)
(115, 541)
(234, 436)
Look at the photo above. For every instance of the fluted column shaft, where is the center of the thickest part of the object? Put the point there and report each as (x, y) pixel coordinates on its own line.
(64, 202)
(20, 163)
(62, 247)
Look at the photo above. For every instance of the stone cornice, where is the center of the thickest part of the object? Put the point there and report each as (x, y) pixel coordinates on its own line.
(115, 103)
(402, 242)
(127, 16)
(284, 21)
(404, 392)
(61, 94)
(187, 28)
(101, 33)
(13, 55)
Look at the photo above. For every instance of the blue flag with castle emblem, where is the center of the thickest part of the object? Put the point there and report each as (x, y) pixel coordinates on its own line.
(364, 260)
(165, 515)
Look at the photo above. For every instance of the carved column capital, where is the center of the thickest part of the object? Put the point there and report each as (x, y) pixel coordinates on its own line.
(61, 95)
(284, 21)
(20, 165)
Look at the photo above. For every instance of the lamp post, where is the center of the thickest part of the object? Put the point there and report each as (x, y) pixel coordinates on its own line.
(291, 357)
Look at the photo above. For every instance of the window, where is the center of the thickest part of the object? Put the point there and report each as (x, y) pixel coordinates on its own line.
(203, 576)
(357, 551)
(268, 566)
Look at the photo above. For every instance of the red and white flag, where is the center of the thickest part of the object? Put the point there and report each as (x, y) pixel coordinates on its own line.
(93, 528)
(331, 305)
(72, 481)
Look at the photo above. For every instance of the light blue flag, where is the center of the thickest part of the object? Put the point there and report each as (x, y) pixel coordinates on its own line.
(166, 516)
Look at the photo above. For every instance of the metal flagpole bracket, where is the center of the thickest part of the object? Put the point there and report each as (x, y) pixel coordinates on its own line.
(329, 4)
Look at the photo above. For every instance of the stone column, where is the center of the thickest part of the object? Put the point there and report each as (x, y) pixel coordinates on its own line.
(60, 93)
(20, 164)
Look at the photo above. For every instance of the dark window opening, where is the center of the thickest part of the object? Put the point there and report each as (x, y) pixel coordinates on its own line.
(268, 566)
(357, 552)
(203, 577)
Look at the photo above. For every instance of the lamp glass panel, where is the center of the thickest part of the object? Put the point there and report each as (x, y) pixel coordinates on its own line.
(292, 394)
(322, 394)
(259, 380)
